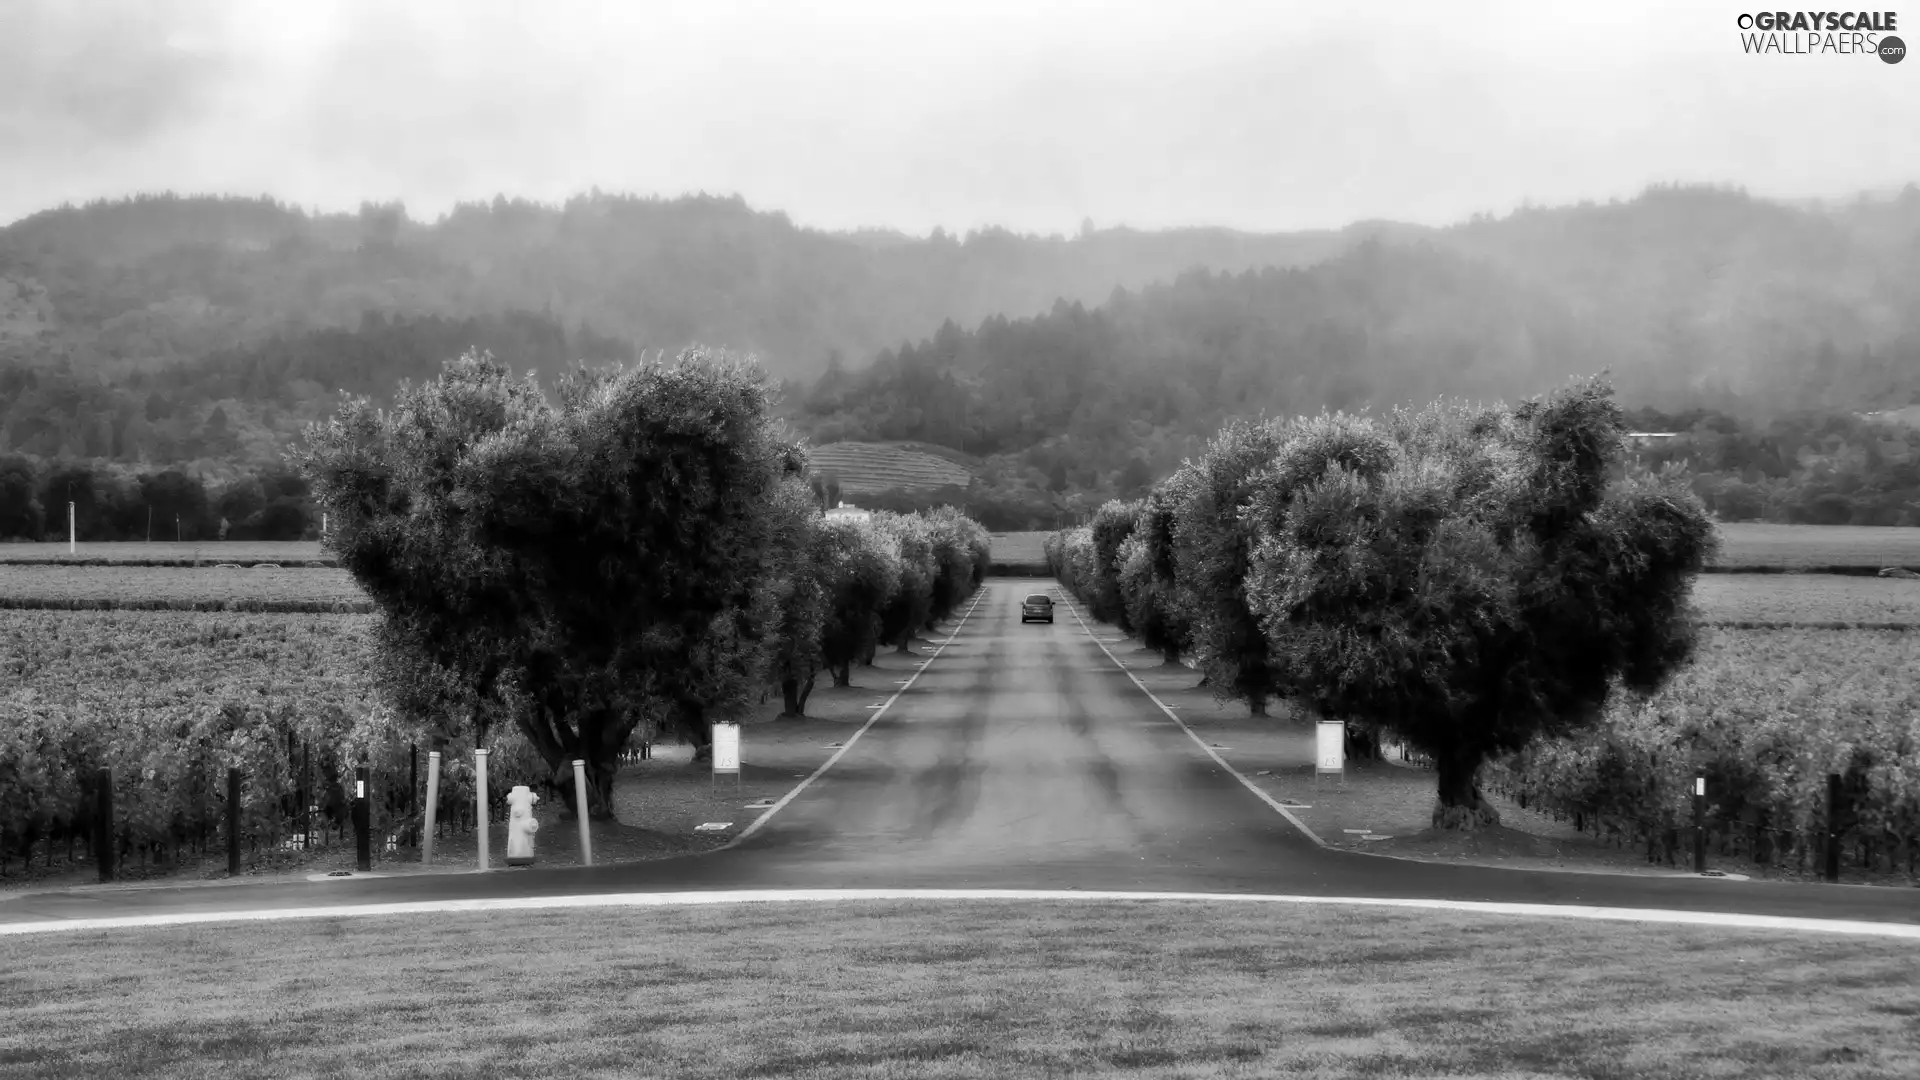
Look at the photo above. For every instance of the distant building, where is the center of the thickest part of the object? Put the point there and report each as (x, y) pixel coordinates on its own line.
(848, 512)
(1649, 438)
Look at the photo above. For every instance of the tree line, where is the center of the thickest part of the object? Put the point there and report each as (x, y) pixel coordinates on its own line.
(639, 551)
(1466, 578)
(117, 503)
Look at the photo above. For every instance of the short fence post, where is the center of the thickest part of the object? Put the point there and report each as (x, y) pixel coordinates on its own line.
(1833, 827)
(480, 801)
(1699, 824)
(233, 822)
(433, 807)
(580, 810)
(362, 819)
(103, 825)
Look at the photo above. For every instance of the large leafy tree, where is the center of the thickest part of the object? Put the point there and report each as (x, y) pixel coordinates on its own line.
(1213, 544)
(1147, 573)
(802, 567)
(604, 557)
(862, 571)
(1112, 524)
(1474, 579)
(911, 605)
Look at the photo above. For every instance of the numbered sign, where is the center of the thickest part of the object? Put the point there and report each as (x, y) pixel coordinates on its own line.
(726, 748)
(1331, 747)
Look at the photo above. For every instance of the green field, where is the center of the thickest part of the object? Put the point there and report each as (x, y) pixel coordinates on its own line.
(1799, 546)
(1027, 548)
(873, 467)
(287, 553)
(871, 989)
(254, 588)
(1808, 599)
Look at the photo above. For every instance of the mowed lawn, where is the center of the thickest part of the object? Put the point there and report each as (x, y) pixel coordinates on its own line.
(863, 989)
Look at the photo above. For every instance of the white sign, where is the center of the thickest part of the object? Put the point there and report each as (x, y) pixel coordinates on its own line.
(1331, 746)
(726, 748)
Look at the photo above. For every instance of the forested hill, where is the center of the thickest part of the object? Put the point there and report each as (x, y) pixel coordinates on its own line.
(149, 280)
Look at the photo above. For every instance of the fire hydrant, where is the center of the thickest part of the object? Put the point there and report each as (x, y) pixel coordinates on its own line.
(521, 826)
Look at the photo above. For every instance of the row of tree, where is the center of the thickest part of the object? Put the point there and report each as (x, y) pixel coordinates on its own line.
(112, 503)
(642, 548)
(1466, 578)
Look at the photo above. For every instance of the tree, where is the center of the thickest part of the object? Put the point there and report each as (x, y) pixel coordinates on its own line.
(862, 572)
(22, 516)
(597, 561)
(1148, 573)
(1213, 545)
(1474, 580)
(1113, 523)
(911, 605)
(803, 559)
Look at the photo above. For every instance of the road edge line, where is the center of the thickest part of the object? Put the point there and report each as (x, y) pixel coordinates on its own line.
(1197, 740)
(920, 670)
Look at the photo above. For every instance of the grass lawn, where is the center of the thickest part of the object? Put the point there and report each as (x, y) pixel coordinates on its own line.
(856, 989)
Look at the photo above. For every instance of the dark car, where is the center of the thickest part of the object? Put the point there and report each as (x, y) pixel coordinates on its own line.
(1037, 607)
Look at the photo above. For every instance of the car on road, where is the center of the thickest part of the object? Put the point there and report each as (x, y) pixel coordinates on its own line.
(1037, 607)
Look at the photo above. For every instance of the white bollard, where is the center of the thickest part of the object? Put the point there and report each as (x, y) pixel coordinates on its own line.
(480, 794)
(433, 806)
(580, 805)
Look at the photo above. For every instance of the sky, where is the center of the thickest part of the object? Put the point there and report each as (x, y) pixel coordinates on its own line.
(1027, 114)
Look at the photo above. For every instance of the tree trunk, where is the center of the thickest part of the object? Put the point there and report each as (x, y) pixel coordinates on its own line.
(790, 703)
(1257, 705)
(1172, 655)
(806, 691)
(867, 654)
(1461, 807)
(600, 776)
(1363, 742)
(906, 637)
(843, 675)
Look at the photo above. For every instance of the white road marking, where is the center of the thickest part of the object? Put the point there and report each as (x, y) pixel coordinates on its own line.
(1725, 920)
(1201, 743)
(879, 712)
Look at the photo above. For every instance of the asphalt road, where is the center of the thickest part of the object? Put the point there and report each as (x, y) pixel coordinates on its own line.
(1023, 758)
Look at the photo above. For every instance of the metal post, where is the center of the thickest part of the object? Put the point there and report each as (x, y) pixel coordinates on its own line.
(480, 800)
(433, 807)
(362, 819)
(70, 530)
(1699, 825)
(103, 848)
(580, 810)
(1833, 827)
(233, 822)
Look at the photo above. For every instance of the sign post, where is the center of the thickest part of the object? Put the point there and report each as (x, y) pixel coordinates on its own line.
(1330, 750)
(726, 752)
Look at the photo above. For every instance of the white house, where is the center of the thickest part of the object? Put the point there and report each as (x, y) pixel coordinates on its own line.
(848, 512)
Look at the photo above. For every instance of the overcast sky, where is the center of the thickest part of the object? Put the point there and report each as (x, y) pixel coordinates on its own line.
(1030, 113)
